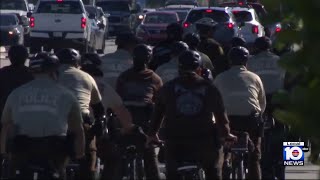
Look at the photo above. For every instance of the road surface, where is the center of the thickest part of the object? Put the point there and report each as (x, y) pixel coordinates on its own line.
(308, 171)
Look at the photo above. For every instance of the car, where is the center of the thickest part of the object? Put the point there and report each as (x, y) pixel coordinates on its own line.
(11, 30)
(120, 12)
(60, 24)
(19, 7)
(250, 26)
(153, 28)
(99, 25)
(181, 11)
(226, 29)
(272, 30)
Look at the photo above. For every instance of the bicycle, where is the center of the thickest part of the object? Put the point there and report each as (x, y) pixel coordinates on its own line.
(190, 171)
(239, 156)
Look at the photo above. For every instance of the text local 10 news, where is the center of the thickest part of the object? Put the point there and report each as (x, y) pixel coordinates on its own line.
(293, 153)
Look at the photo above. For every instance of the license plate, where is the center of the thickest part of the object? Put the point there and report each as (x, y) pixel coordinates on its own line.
(57, 34)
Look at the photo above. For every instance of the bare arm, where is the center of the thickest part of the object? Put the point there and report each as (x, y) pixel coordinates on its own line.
(76, 129)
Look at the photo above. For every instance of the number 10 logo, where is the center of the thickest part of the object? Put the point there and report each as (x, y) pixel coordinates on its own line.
(294, 153)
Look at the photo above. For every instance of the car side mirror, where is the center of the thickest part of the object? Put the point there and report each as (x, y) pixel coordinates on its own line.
(29, 14)
(92, 16)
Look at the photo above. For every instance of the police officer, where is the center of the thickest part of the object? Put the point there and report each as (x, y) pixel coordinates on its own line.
(206, 28)
(14, 75)
(243, 94)
(86, 90)
(193, 41)
(137, 87)
(266, 65)
(41, 112)
(162, 51)
(169, 70)
(187, 104)
(115, 63)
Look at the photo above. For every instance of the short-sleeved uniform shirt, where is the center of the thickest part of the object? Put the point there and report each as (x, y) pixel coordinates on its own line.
(114, 64)
(242, 91)
(265, 65)
(82, 85)
(41, 108)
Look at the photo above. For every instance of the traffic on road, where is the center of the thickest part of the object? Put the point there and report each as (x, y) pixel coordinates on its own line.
(113, 89)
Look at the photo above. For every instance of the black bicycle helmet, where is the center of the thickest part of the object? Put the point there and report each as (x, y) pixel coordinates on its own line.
(142, 52)
(238, 41)
(174, 30)
(69, 56)
(189, 60)
(263, 43)
(179, 47)
(43, 63)
(192, 39)
(18, 54)
(238, 55)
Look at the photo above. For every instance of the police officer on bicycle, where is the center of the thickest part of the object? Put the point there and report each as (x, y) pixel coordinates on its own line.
(243, 94)
(137, 87)
(40, 113)
(186, 105)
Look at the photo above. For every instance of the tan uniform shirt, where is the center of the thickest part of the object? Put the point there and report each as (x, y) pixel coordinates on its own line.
(242, 91)
(114, 64)
(265, 64)
(42, 108)
(82, 85)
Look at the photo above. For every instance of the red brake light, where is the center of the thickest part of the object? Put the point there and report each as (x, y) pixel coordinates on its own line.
(59, 1)
(235, 12)
(240, 3)
(278, 29)
(32, 22)
(230, 25)
(209, 11)
(186, 24)
(83, 22)
(255, 29)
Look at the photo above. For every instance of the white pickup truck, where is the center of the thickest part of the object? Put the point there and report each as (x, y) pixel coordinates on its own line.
(59, 24)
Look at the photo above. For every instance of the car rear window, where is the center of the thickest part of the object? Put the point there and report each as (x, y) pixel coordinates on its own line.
(8, 20)
(160, 19)
(63, 7)
(108, 6)
(242, 16)
(218, 16)
(13, 5)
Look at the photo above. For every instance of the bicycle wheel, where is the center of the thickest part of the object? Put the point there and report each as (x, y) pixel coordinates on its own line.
(238, 170)
(136, 171)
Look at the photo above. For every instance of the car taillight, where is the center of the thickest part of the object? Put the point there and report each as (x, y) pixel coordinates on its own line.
(209, 11)
(59, 1)
(83, 22)
(255, 29)
(278, 29)
(230, 25)
(186, 25)
(32, 22)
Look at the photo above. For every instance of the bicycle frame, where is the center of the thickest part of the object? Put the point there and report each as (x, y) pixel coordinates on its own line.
(191, 171)
(133, 162)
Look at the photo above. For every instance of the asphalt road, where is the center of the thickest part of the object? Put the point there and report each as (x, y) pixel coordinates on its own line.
(308, 171)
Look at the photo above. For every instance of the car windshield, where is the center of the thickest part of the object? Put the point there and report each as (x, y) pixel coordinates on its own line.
(160, 18)
(242, 16)
(13, 5)
(218, 16)
(108, 6)
(7, 20)
(64, 7)
(91, 9)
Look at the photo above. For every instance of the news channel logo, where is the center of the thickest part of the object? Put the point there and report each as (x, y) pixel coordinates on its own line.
(293, 153)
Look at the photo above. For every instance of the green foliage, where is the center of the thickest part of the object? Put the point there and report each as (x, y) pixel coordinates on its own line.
(302, 103)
